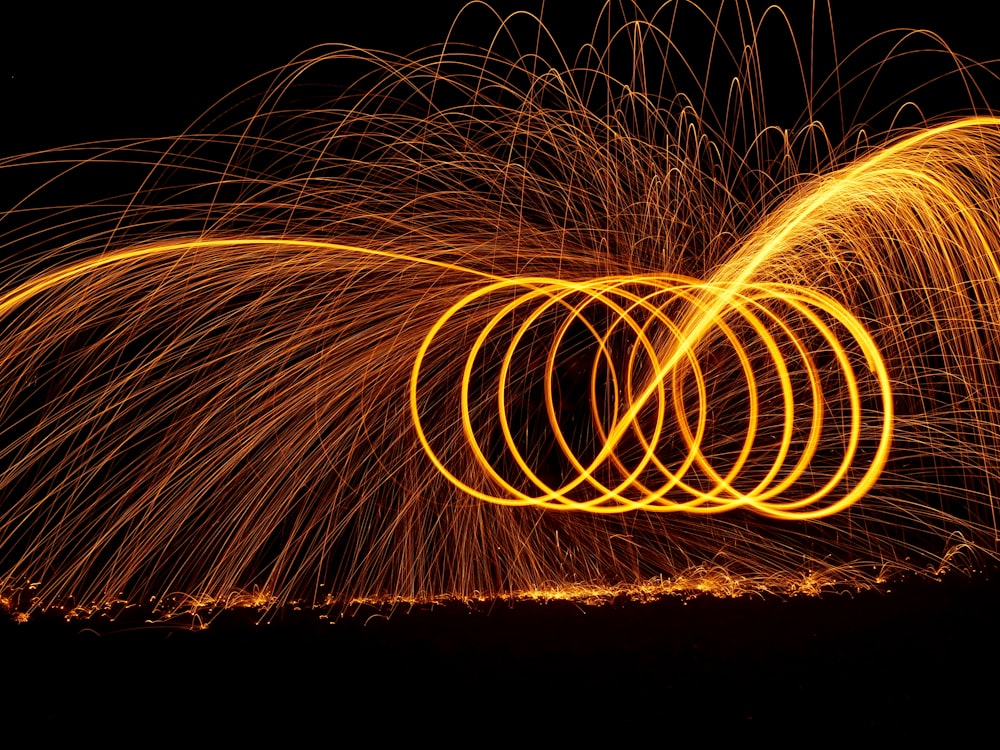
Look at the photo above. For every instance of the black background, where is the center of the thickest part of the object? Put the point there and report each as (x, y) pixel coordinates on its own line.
(90, 74)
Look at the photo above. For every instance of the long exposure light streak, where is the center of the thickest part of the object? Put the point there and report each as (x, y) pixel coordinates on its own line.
(544, 294)
(489, 322)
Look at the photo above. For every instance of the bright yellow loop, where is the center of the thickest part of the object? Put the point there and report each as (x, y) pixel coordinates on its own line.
(645, 412)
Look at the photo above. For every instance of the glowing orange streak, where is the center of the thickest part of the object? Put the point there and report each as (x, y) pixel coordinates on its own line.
(549, 495)
(694, 441)
(725, 485)
(877, 366)
(556, 293)
(46, 281)
(657, 315)
(757, 498)
(569, 177)
(758, 495)
(586, 473)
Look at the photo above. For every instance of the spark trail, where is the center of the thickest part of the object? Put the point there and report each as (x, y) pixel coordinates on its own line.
(488, 323)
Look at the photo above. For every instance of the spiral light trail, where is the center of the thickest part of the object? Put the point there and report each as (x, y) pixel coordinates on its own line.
(572, 300)
(498, 322)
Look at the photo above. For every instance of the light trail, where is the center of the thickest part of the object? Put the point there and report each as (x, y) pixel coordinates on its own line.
(490, 324)
(542, 295)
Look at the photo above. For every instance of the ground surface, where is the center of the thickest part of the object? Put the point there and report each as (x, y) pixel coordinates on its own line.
(919, 653)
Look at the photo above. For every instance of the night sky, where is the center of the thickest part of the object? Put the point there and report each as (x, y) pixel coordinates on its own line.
(76, 76)
(922, 652)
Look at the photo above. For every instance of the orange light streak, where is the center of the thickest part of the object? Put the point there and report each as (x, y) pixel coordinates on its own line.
(631, 494)
(506, 321)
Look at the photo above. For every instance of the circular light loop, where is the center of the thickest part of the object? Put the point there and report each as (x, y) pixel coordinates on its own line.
(808, 378)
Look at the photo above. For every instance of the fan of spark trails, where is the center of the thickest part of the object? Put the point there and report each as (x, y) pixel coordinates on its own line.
(209, 384)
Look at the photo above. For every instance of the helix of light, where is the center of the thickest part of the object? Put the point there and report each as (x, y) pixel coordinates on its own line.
(667, 318)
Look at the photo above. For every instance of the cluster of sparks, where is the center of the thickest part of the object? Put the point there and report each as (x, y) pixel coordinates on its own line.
(488, 325)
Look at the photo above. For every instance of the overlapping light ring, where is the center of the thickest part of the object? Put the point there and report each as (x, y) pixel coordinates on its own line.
(646, 308)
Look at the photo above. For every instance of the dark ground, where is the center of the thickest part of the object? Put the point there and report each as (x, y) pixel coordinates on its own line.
(919, 654)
